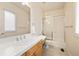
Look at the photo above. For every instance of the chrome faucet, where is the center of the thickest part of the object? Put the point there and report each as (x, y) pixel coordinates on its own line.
(17, 39)
(24, 37)
(20, 37)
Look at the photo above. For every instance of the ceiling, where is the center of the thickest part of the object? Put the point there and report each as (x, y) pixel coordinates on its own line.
(19, 4)
(46, 6)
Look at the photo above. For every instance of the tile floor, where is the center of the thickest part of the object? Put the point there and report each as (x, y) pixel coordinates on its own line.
(54, 51)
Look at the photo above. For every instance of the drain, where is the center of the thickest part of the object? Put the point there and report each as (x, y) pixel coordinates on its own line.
(62, 49)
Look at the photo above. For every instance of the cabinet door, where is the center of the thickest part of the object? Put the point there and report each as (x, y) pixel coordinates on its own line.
(31, 51)
(39, 49)
(39, 52)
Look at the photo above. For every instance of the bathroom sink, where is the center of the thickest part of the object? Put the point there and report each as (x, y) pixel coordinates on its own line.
(13, 50)
(18, 47)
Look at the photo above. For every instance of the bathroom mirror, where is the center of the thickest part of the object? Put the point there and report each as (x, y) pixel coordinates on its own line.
(9, 21)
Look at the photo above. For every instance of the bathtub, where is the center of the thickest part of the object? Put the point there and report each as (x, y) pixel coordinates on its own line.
(17, 45)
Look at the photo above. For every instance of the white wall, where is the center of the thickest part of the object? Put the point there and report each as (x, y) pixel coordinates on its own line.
(55, 12)
(71, 39)
(36, 19)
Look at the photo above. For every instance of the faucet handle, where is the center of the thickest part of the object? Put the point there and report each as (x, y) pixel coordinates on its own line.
(24, 37)
(17, 39)
(20, 37)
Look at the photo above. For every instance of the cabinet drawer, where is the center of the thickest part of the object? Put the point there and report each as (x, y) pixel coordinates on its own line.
(32, 50)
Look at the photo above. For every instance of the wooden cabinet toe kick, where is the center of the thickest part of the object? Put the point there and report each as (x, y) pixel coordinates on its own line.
(36, 50)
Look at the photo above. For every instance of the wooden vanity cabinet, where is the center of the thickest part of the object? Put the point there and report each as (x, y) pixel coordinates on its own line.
(39, 52)
(36, 50)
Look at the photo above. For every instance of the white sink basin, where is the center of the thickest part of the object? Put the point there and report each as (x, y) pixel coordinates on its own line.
(13, 50)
